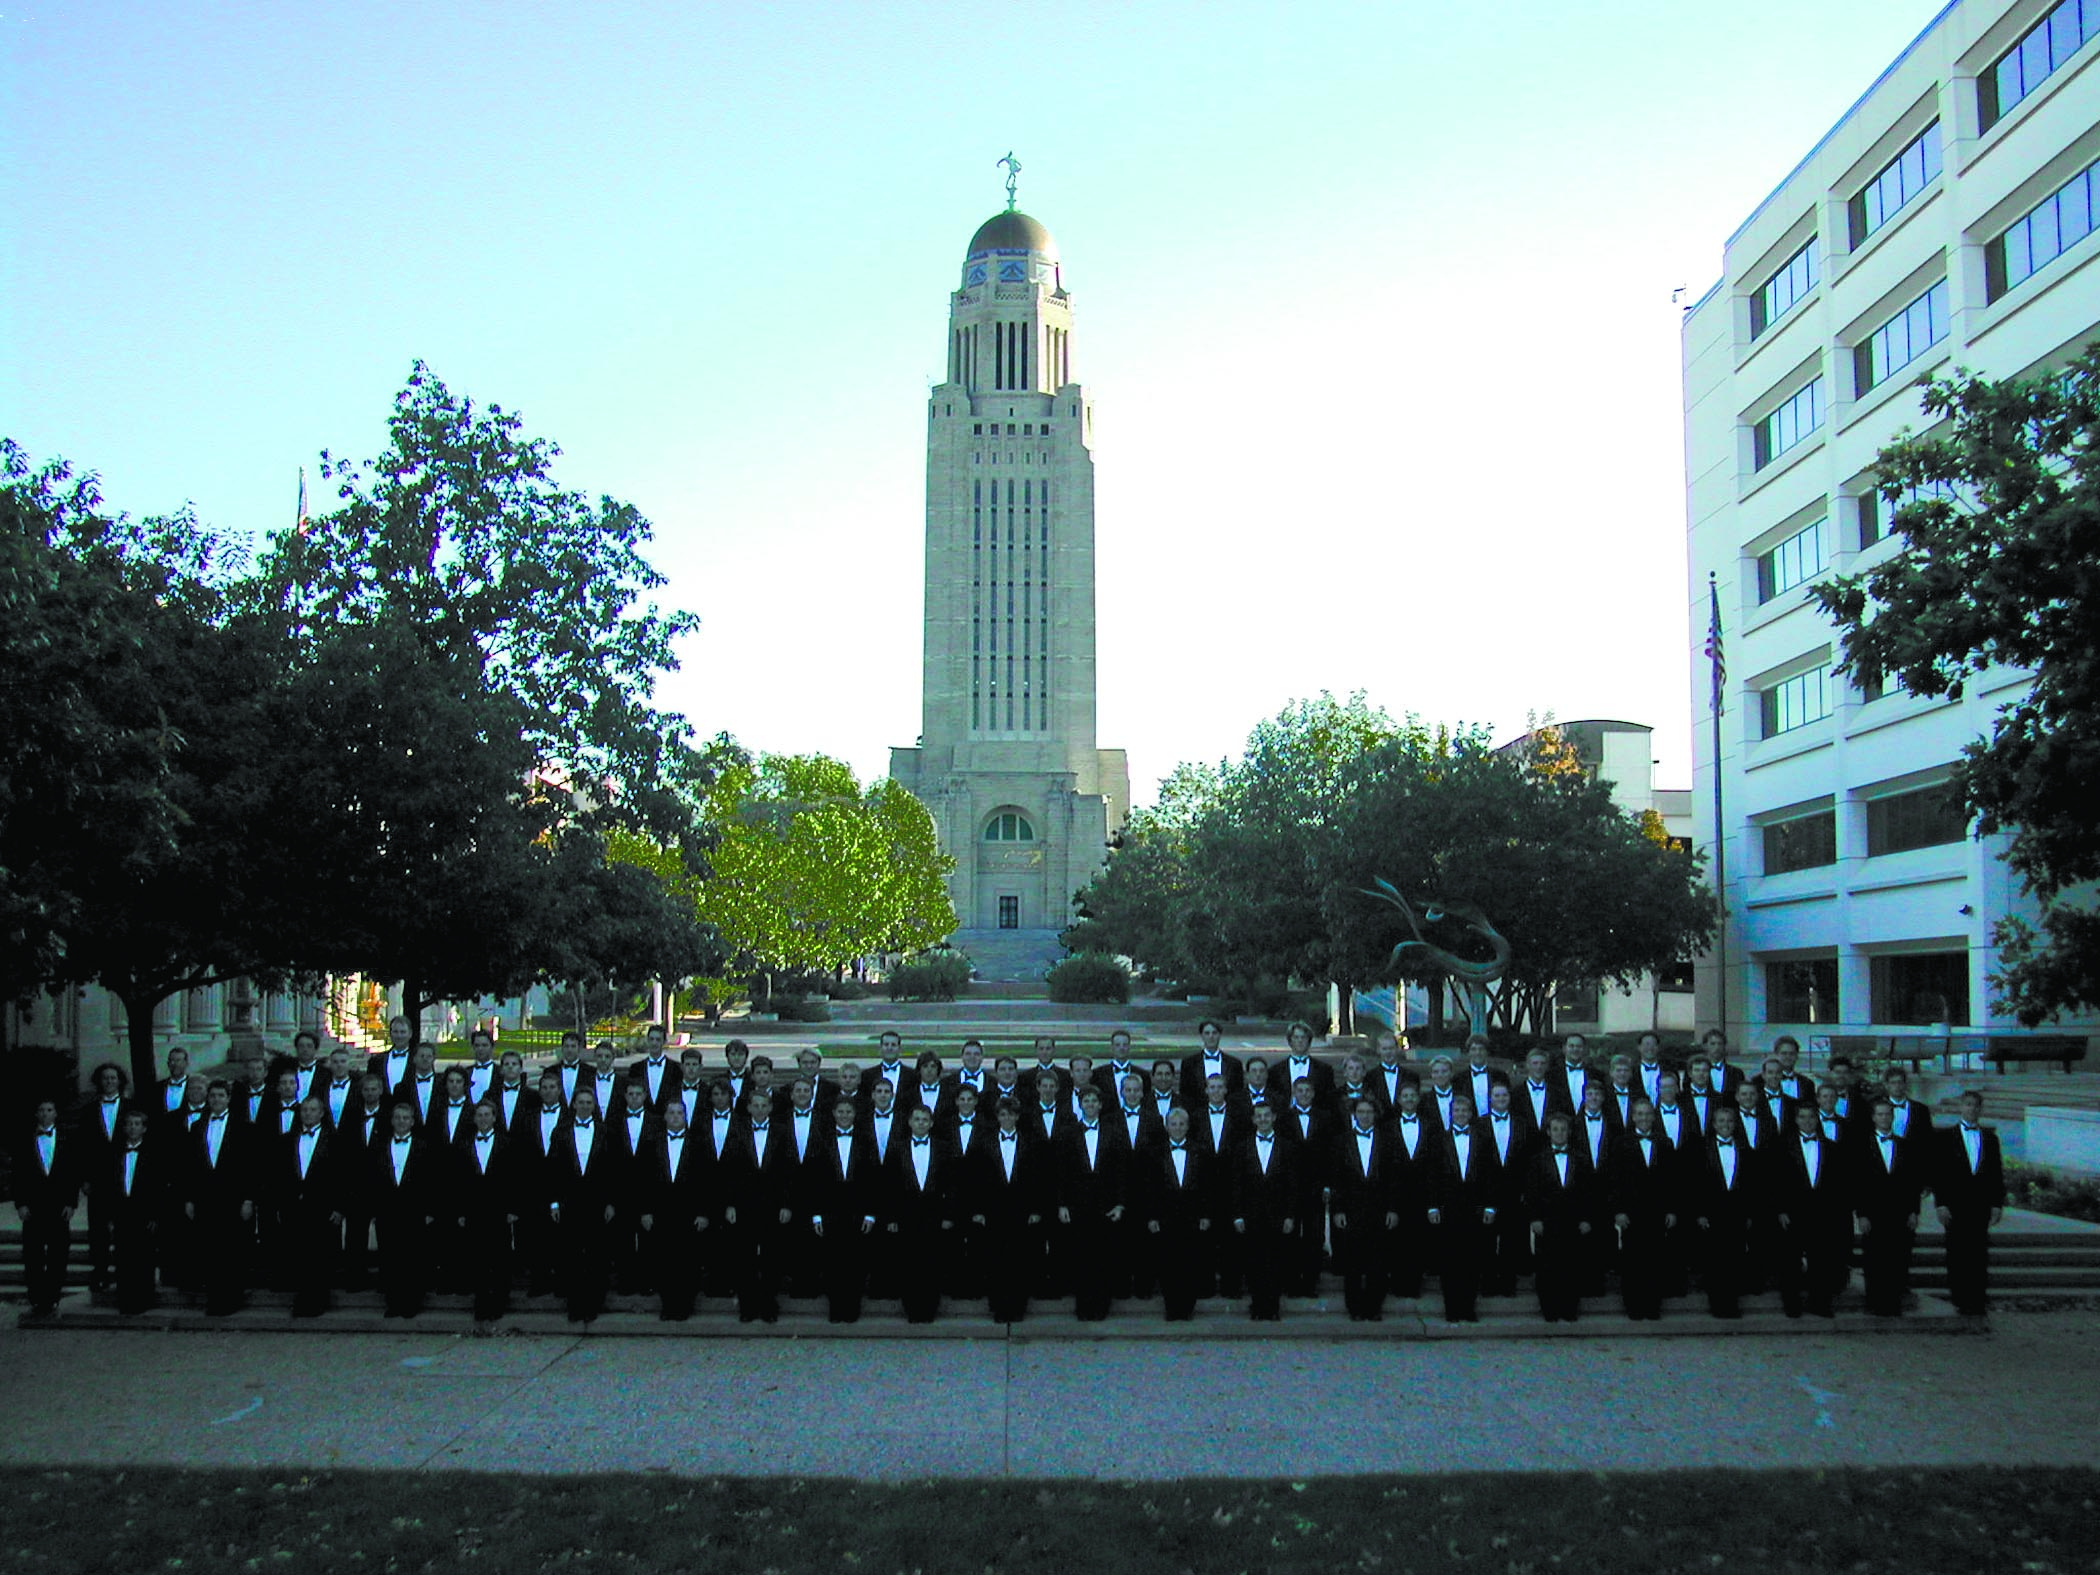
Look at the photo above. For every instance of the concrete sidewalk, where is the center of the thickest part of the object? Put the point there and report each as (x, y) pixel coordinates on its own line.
(1024, 1407)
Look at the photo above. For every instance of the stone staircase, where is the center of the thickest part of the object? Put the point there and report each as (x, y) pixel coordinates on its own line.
(1022, 955)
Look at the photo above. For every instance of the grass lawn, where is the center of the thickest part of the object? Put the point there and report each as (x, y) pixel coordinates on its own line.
(2037, 1521)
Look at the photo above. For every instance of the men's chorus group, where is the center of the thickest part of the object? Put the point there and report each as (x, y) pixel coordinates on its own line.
(1015, 1183)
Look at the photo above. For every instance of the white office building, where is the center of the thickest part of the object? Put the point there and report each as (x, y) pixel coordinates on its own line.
(1944, 221)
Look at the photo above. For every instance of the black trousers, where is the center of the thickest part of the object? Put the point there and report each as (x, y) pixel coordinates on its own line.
(843, 1251)
(1464, 1238)
(1359, 1253)
(1262, 1260)
(1885, 1254)
(47, 1237)
(1557, 1270)
(486, 1261)
(1641, 1267)
(404, 1262)
(1969, 1259)
(1011, 1258)
(1180, 1253)
(585, 1265)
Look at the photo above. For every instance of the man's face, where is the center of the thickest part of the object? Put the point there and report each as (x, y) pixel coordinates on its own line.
(1265, 1119)
(484, 1048)
(1440, 1073)
(1773, 1072)
(1301, 1041)
(1898, 1085)
(885, 1096)
(585, 1105)
(1178, 1124)
(1884, 1118)
(674, 1116)
(1007, 1071)
(572, 1048)
(484, 1118)
(397, 1033)
(1366, 1115)
(1164, 1076)
(1498, 1099)
(966, 1102)
(1045, 1049)
(972, 1057)
(1745, 1097)
(1388, 1050)
(373, 1088)
(1353, 1069)
(288, 1087)
(921, 1121)
(1621, 1069)
(1302, 1093)
(802, 1093)
(689, 1067)
(550, 1090)
(1410, 1099)
(637, 1096)
(1788, 1053)
(1214, 1089)
(403, 1120)
(1827, 1099)
(930, 1071)
(1119, 1045)
(178, 1064)
(1133, 1088)
(1009, 1118)
(1090, 1104)
(216, 1100)
(719, 1096)
(1971, 1108)
(1477, 1055)
(1575, 1049)
(738, 1057)
(842, 1115)
(1643, 1116)
(1701, 1069)
(1046, 1088)
(1807, 1120)
(1724, 1121)
(808, 1063)
(310, 1110)
(513, 1066)
(1557, 1128)
(1210, 1036)
(1593, 1099)
(1461, 1111)
(1666, 1089)
(1257, 1073)
(1651, 1047)
(338, 1065)
(455, 1083)
(109, 1082)
(892, 1046)
(1535, 1066)
(653, 1040)
(426, 1059)
(1715, 1044)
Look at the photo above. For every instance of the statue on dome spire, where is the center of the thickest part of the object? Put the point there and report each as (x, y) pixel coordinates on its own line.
(1012, 166)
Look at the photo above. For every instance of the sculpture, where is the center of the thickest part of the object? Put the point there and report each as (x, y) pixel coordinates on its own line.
(1472, 977)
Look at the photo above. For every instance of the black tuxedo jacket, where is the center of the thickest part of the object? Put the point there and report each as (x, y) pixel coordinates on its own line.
(1955, 1185)
(628, 1148)
(688, 1195)
(1523, 1106)
(320, 1191)
(1313, 1133)
(150, 1180)
(484, 1197)
(377, 1064)
(1151, 1130)
(1510, 1157)
(1680, 1124)
(1714, 1199)
(1090, 1190)
(1479, 1087)
(1461, 1193)
(759, 1188)
(584, 1192)
(58, 1188)
(1264, 1200)
(913, 1093)
(842, 1196)
(1829, 1199)
(1283, 1076)
(1176, 1202)
(1354, 1190)
(1007, 1202)
(898, 1075)
(1385, 1083)
(416, 1194)
(915, 1207)
(1560, 1206)
(1643, 1188)
(1887, 1191)
(514, 1111)
(1195, 1071)
(99, 1137)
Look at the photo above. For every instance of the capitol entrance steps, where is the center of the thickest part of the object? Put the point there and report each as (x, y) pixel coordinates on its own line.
(1009, 955)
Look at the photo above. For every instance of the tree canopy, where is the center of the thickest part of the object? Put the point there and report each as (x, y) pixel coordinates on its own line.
(1257, 869)
(1998, 508)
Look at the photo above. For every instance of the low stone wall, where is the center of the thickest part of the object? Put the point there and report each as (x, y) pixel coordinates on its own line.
(2064, 1140)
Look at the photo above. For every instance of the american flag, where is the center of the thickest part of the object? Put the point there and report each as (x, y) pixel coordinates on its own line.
(1714, 653)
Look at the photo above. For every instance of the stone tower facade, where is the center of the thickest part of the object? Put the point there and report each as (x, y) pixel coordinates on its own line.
(1006, 759)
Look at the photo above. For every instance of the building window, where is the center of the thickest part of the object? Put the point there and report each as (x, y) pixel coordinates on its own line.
(1928, 818)
(1802, 992)
(1794, 279)
(2044, 233)
(1804, 843)
(1793, 562)
(1920, 988)
(1902, 339)
(1009, 913)
(1575, 1003)
(1788, 425)
(1795, 702)
(1007, 826)
(1900, 180)
(2042, 50)
(1677, 979)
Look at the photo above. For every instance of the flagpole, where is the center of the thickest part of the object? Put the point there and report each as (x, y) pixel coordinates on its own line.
(1720, 679)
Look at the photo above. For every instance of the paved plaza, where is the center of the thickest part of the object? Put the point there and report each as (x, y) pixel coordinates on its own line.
(2018, 1391)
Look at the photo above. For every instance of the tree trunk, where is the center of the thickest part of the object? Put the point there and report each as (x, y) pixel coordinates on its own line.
(412, 1008)
(139, 1005)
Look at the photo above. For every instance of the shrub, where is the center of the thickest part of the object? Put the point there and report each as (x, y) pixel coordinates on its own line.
(932, 976)
(847, 989)
(811, 1009)
(1090, 977)
(2044, 1191)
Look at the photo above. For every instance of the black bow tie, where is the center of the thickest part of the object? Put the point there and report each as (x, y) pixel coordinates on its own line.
(484, 1137)
(1538, 1088)
(400, 1142)
(1265, 1137)
(674, 1137)
(1560, 1151)
(1008, 1137)
(1500, 1118)
(1407, 1121)
(1090, 1125)
(424, 1077)
(583, 1126)
(922, 1142)
(1177, 1145)
(1459, 1132)
(1725, 1142)
(761, 1126)
(1968, 1126)
(307, 1132)
(50, 1132)
(114, 1100)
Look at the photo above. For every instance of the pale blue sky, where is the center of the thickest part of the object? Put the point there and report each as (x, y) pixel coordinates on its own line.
(1373, 302)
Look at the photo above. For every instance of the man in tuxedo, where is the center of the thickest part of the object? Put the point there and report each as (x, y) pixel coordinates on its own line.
(841, 1195)
(1109, 1075)
(1888, 1177)
(690, 1090)
(971, 1073)
(514, 1099)
(582, 1201)
(1677, 1119)
(1560, 1209)
(1092, 1193)
(308, 1184)
(1262, 1191)
(1507, 1252)
(1797, 1087)
(736, 1057)
(485, 1197)
(404, 1203)
(47, 1190)
(483, 1070)
(133, 1184)
(1176, 1193)
(1771, 1093)
(1968, 1195)
(391, 1064)
(1477, 1078)
(99, 1130)
(574, 1071)
(1575, 1072)
(1256, 1088)
(1725, 1076)
(629, 1135)
(1352, 1083)
(1388, 1076)
(677, 1211)
(890, 1068)
(366, 1127)
(1644, 1188)
(1648, 1070)
(1442, 1088)
(532, 1164)
(1725, 1194)
(1813, 1210)
(1620, 1091)
(338, 1090)
(1414, 1162)
(1006, 1084)
(919, 1213)
(1361, 1205)
(171, 1093)
(1010, 1196)
(1536, 1097)
(1700, 1093)
(1046, 1061)
(1212, 1060)
(1310, 1127)
(307, 1064)
(922, 1090)
(1908, 1117)
(1301, 1063)
(1463, 1215)
(761, 1178)
(656, 1069)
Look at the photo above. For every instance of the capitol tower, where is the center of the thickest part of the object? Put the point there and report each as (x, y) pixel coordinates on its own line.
(1024, 799)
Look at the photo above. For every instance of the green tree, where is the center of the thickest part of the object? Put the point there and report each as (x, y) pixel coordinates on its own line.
(135, 681)
(474, 670)
(1999, 511)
